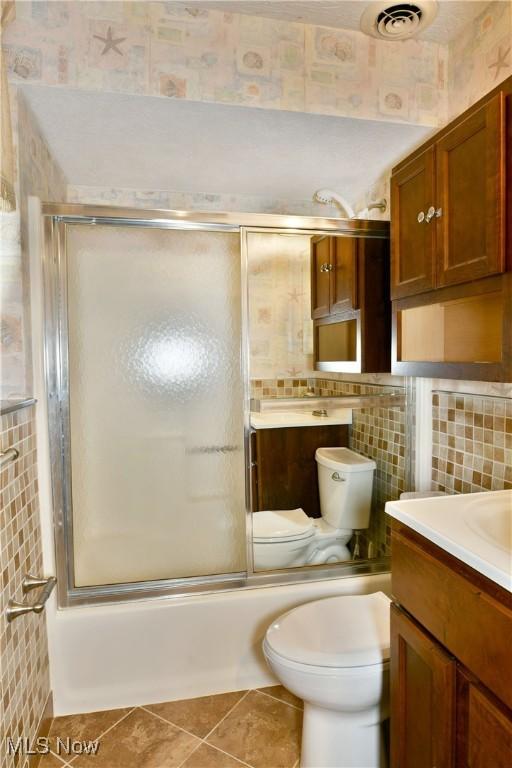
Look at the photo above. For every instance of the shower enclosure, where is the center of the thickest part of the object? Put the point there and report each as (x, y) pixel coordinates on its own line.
(146, 334)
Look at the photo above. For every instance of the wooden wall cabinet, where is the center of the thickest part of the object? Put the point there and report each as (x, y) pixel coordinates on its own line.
(448, 205)
(350, 304)
(451, 677)
(451, 242)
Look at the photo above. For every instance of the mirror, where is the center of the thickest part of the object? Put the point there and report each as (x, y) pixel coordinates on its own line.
(322, 469)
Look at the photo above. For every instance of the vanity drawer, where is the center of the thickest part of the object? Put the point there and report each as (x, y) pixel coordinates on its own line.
(468, 614)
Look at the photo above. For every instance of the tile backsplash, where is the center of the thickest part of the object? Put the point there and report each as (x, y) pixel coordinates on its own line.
(471, 443)
(24, 666)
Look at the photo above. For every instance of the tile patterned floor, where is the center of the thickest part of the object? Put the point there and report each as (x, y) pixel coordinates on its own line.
(256, 729)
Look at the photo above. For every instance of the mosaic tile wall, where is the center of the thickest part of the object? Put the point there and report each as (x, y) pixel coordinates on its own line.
(24, 670)
(161, 49)
(472, 443)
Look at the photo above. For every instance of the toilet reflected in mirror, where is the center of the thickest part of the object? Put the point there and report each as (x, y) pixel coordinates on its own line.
(289, 538)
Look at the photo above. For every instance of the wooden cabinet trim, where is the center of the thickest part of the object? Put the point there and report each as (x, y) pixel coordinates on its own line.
(407, 634)
(419, 232)
(449, 600)
(500, 371)
(491, 119)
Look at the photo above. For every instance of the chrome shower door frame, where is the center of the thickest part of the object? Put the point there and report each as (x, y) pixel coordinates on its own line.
(56, 218)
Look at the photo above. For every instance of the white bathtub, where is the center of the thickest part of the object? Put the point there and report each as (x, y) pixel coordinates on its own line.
(110, 656)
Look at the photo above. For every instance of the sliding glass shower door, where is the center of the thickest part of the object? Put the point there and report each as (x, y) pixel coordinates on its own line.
(155, 390)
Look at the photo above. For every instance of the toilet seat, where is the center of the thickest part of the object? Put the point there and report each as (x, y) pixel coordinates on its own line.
(334, 633)
(275, 526)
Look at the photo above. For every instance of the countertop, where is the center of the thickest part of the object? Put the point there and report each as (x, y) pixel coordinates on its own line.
(476, 528)
(279, 419)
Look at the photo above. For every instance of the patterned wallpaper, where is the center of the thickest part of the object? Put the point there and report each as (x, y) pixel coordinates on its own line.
(38, 174)
(196, 201)
(280, 325)
(478, 60)
(24, 667)
(481, 57)
(158, 49)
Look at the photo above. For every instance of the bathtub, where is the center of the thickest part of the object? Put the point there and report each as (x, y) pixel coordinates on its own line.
(121, 655)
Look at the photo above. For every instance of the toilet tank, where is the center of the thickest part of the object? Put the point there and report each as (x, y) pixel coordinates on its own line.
(345, 483)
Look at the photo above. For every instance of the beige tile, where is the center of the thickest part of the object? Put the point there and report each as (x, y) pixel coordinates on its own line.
(209, 757)
(200, 715)
(283, 694)
(261, 731)
(84, 727)
(141, 740)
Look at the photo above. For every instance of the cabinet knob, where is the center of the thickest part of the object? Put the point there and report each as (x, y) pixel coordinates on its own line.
(421, 217)
(326, 268)
(433, 213)
(430, 214)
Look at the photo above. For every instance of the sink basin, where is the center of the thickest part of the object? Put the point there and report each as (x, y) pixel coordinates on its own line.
(492, 519)
(475, 527)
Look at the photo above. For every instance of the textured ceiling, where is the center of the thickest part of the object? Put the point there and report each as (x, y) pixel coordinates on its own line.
(116, 140)
(452, 17)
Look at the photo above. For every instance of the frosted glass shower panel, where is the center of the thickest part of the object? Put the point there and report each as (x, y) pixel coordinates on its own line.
(156, 403)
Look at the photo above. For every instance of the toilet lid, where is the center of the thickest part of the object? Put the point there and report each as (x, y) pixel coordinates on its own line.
(281, 525)
(345, 631)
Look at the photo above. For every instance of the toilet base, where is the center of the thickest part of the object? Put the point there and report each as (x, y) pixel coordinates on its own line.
(332, 739)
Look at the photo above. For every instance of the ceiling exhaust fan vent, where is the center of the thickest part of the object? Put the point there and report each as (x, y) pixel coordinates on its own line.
(399, 21)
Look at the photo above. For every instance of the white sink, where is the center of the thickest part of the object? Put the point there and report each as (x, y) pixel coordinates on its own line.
(475, 527)
(492, 519)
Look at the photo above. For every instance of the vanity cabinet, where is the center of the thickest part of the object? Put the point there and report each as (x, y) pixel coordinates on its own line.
(451, 677)
(350, 304)
(283, 466)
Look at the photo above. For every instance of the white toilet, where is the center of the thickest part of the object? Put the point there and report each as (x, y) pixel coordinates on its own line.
(334, 654)
(289, 538)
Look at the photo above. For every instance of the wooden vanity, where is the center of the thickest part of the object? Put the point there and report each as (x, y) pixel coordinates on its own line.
(451, 660)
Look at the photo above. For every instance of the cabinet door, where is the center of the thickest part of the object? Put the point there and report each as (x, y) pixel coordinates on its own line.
(321, 268)
(484, 738)
(422, 698)
(470, 178)
(344, 275)
(412, 236)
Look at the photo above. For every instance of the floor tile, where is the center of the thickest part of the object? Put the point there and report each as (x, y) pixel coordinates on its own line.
(209, 757)
(198, 716)
(261, 731)
(141, 740)
(51, 761)
(283, 694)
(84, 727)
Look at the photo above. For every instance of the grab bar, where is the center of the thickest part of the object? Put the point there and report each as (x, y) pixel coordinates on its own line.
(11, 454)
(15, 609)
